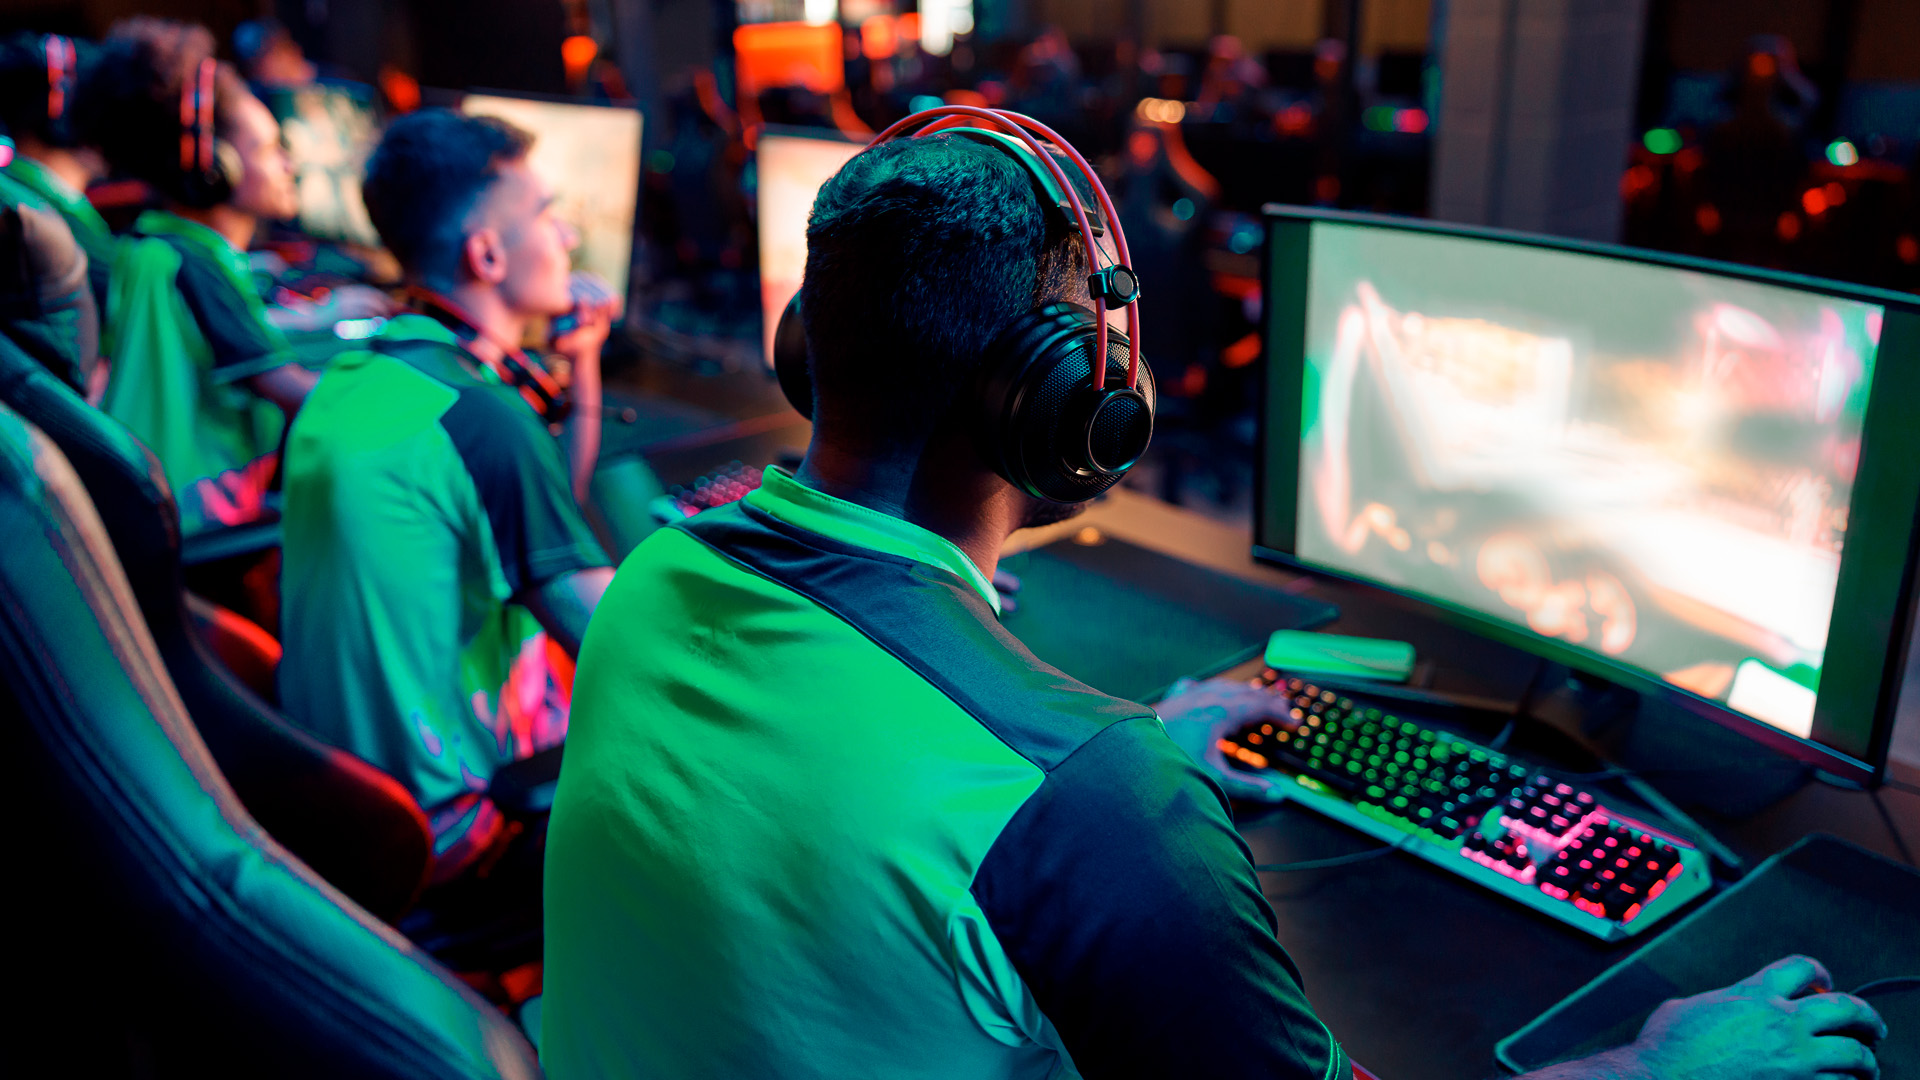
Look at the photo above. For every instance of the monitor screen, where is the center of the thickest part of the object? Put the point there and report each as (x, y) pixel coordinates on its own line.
(329, 129)
(789, 170)
(1650, 466)
(591, 156)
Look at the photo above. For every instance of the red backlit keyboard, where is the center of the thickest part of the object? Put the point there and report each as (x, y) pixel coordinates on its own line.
(1549, 844)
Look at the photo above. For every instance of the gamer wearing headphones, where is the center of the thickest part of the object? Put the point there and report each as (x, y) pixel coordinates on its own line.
(822, 817)
(44, 106)
(431, 531)
(197, 371)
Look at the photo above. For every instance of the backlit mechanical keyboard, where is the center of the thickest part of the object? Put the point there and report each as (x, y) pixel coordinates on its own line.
(724, 485)
(1474, 811)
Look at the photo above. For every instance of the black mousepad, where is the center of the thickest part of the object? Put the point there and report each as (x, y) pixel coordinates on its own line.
(1852, 910)
(1129, 621)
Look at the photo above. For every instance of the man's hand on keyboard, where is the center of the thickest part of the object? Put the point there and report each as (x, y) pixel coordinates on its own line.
(1784, 1022)
(1197, 714)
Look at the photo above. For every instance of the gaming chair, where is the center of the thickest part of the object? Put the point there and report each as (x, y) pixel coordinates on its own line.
(159, 930)
(353, 824)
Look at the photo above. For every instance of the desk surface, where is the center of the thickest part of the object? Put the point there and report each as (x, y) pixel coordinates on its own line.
(1418, 972)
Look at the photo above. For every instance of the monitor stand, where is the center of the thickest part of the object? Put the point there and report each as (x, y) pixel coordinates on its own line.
(1690, 758)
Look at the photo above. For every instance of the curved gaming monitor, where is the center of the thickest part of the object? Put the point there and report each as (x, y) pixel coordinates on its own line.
(1689, 478)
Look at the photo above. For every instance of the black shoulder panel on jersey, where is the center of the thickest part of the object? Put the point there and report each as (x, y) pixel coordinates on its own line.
(538, 529)
(1128, 902)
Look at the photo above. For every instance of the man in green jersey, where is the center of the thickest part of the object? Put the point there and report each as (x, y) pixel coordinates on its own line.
(46, 107)
(50, 232)
(43, 106)
(197, 371)
(821, 816)
(438, 573)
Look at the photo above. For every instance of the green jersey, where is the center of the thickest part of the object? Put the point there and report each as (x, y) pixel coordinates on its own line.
(184, 330)
(821, 816)
(89, 228)
(421, 497)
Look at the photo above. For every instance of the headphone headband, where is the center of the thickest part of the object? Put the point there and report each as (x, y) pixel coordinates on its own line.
(1102, 284)
(1050, 426)
(61, 61)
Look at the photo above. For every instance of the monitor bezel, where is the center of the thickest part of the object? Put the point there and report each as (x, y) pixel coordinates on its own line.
(1893, 477)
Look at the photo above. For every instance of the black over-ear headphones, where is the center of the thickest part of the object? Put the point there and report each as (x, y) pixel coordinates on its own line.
(209, 168)
(1046, 420)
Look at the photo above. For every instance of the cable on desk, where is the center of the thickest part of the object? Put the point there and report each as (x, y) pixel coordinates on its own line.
(1328, 863)
(1893, 828)
(1901, 785)
(1893, 983)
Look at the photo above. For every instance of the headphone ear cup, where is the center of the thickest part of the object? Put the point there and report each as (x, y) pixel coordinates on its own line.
(1043, 426)
(790, 359)
(215, 186)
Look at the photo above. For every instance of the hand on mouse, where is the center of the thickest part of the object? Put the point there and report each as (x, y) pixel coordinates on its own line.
(1783, 1022)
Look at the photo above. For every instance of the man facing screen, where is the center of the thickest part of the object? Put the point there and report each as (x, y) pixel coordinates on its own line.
(822, 817)
(438, 572)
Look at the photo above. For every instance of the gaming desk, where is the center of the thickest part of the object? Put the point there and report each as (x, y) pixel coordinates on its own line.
(1417, 972)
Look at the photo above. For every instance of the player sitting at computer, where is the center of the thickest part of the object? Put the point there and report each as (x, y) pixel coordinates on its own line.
(197, 371)
(438, 574)
(821, 816)
(44, 107)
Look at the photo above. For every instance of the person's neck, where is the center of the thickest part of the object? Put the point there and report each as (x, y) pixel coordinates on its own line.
(234, 225)
(61, 162)
(500, 327)
(943, 490)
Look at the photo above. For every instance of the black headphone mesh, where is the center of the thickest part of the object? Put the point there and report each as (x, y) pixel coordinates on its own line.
(1042, 447)
(1118, 437)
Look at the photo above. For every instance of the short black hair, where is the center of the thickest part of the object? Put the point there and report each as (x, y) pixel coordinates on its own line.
(919, 253)
(24, 92)
(133, 105)
(423, 179)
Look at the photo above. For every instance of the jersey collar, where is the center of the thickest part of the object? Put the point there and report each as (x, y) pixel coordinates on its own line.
(42, 181)
(413, 326)
(793, 502)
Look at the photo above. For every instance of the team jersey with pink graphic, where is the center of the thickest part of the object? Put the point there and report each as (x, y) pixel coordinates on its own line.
(421, 497)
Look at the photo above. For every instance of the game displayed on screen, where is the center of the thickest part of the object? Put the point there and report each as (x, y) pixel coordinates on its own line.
(329, 130)
(590, 154)
(1649, 463)
(789, 171)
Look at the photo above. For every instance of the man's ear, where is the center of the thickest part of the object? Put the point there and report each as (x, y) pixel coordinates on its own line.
(485, 256)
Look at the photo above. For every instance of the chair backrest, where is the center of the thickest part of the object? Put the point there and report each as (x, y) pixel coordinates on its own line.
(355, 825)
(156, 924)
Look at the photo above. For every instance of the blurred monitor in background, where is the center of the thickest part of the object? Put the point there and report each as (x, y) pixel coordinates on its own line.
(792, 166)
(329, 129)
(591, 156)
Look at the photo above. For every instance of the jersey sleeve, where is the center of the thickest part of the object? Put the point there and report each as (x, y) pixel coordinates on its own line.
(244, 344)
(521, 476)
(1127, 902)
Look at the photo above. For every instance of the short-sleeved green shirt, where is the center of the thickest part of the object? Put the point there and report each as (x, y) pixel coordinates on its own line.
(89, 228)
(184, 330)
(421, 497)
